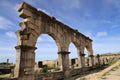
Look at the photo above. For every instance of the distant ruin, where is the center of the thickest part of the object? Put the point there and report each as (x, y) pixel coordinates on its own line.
(35, 23)
(6, 67)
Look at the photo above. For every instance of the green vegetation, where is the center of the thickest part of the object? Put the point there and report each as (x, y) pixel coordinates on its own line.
(46, 69)
(12, 72)
(83, 78)
(55, 68)
(113, 62)
(113, 69)
(107, 73)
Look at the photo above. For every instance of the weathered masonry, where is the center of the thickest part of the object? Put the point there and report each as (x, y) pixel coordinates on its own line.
(34, 24)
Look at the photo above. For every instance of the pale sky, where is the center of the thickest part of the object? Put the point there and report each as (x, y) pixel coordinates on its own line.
(98, 19)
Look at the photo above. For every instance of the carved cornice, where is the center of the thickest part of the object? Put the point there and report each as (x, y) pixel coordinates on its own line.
(27, 10)
(82, 54)
(91, 56)
(98, 55)
(23, 47)
(63, 52)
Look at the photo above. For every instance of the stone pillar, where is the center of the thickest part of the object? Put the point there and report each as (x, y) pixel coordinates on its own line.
(63, 60)
(81, 60)
(91, 60)
(101, 61)
(98, 59)
(25, 61)
(105, 61)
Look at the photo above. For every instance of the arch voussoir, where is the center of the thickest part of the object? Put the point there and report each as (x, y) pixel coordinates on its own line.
(36, 23)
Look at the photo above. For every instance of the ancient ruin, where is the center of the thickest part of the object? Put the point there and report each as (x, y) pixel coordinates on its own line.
(35, 23)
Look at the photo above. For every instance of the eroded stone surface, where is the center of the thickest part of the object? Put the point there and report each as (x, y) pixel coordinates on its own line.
(35, 23)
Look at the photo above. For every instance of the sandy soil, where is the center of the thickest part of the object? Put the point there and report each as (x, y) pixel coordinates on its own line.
(113, 75)
(5, 76)
(110, 73)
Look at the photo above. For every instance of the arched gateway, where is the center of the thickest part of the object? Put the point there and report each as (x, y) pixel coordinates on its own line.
(36, 23)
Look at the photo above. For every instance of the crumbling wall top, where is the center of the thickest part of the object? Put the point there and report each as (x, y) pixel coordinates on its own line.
(25, 10)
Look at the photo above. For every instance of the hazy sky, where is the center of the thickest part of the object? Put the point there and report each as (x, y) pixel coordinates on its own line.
(98, 19)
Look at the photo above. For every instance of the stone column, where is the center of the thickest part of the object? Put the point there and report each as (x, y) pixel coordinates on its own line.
(63, 60)
(25, 60)
(98, 59)
(91, 60)
(103, 61)
(81, 60)
(106, 62)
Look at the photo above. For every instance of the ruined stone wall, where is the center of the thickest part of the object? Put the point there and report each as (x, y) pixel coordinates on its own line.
(50, 63)
(35, 23)
(50, 76)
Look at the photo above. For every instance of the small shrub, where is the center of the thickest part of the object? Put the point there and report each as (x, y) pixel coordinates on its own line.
(44, 69)
(12, 73)
(55, 68)
(107, 73)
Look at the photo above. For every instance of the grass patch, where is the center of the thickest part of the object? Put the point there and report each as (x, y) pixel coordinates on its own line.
(83, 78)
(113, 69)
(113, 62)
(103, 78)
(107, 73)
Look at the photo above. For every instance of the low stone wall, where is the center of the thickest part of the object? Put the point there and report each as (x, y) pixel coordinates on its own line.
(79, 71)
(50, 63)
(66, 75)
(5, 71)
(50, 76)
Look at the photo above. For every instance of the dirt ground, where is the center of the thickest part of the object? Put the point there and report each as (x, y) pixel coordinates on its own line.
(110, 73)
(113, 75)
(5, 76)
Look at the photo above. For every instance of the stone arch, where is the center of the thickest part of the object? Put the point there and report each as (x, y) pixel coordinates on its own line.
(54, 37)
(45, 52)
(34, 24)
(77, 46)
(74, 62)
(27, 38)
(88, 46)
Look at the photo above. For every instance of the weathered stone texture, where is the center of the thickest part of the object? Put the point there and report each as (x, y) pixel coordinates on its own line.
(35, 23)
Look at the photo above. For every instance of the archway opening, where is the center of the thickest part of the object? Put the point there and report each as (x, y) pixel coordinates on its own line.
(85, 52)
(46, 54)
(86, 57)
(73, 62)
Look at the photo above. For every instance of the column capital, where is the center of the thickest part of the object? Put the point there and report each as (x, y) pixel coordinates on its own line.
(63, 52)
(98, 55)
(91, 55)
(82, 54)
(24, 47)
